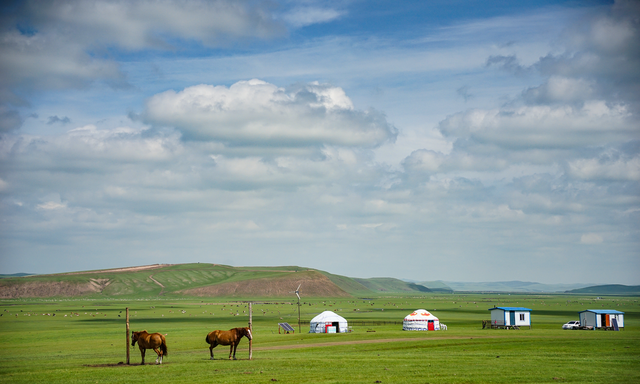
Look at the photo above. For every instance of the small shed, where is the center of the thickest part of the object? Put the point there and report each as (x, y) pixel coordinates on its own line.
(510, 317)
(420, 320)
(602, 318)
(328, 322)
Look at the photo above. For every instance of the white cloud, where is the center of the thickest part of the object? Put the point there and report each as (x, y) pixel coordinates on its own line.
(605, 169)
(543, 127)
(307, 15)
(591, 238)
(258, 113)
(78, 53)
(559, 89)
(51, 205)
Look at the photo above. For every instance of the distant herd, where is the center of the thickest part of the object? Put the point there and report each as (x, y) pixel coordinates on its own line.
(158, 343)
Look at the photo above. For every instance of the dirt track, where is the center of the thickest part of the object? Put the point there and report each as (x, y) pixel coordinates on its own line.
(354, 342)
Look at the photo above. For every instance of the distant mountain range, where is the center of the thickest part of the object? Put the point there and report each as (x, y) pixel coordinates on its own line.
(216, 280)
(611, 289)
(500, 286)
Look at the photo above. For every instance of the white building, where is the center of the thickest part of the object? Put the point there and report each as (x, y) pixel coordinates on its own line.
(602, 318)
(506, 317)
(328, 322)
(420, 320)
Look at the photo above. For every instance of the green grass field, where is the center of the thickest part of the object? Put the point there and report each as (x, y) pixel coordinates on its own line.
(86, 339)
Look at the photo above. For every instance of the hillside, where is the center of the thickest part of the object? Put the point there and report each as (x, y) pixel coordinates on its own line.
(611, 289)
(198, 279)
(391, 285)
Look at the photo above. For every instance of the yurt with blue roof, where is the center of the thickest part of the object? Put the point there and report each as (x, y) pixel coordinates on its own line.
(510, 317)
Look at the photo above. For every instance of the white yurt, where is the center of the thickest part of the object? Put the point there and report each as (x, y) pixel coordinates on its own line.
(328, 322)
(420, 320)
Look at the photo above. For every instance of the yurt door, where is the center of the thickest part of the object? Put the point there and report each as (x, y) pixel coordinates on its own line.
(430, 326)
(512, 318)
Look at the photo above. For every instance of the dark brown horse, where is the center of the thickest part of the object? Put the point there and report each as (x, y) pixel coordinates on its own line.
(231, 337)
(155, 341)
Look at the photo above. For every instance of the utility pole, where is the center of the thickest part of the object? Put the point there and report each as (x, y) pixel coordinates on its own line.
(128, 335)
(251, 329)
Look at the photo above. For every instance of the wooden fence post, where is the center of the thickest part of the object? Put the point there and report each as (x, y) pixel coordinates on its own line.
(127, 335)
(251, 329)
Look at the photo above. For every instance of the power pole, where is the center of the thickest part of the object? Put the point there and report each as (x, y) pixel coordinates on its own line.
(127, 335)
(251, 329)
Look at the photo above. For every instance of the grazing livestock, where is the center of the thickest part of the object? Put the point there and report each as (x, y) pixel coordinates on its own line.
(155, 341)
(231, 337)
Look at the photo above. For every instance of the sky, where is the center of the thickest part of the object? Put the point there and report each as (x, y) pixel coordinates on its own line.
(455, 140)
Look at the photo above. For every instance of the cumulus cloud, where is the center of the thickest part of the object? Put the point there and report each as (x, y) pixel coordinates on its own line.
(150, 23)
(261, 114)
(77, 54)
(559, 89)
(591, 238)
(605, 169)
(543, 127)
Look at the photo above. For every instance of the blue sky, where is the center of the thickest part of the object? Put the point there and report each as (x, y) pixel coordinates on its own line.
(426, 140)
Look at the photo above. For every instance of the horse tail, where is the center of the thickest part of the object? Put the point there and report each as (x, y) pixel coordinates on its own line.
(207, 339)
(163, 347)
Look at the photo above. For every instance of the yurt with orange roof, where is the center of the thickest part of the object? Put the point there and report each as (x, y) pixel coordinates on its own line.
(421, 320)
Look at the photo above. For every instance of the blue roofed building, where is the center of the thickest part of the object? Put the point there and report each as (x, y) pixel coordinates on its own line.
(510, 317)
(602, 318)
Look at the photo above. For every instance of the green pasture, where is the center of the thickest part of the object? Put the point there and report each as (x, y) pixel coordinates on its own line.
(85, 341)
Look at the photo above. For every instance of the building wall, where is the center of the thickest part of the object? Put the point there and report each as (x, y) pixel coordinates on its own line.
(497, 317)
(502, 317)
(591, 319)
(527, 318)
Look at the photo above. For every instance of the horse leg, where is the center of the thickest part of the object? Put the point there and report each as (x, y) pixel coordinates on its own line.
(211, 346)
(159, 355)
(235, 347)
(142, 351)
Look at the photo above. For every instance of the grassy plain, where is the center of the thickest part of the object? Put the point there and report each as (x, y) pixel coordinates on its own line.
(85, 341)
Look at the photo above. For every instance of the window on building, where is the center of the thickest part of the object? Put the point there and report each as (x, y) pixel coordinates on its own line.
(522, 316)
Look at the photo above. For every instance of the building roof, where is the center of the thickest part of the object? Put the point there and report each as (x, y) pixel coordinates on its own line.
(511, 309)
(420, 315)
(328, 316)
(604, 311)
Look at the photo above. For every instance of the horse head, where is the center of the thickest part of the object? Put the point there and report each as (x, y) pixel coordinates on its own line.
(135, 336)
(247, 332)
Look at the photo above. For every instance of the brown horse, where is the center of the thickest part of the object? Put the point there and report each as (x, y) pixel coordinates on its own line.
(231, 337)
(155, 341)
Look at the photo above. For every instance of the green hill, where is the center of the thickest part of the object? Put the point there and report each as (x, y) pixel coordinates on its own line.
(391, 285)
(200, 279)
(437, 286)
(611, 289)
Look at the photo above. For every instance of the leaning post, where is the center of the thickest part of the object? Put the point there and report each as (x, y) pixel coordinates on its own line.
(251, 329)
(127, 335)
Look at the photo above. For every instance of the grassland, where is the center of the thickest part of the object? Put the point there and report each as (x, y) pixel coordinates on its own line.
(85, 341)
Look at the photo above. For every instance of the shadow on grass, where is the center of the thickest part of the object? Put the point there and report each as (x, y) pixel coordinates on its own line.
(120, 364)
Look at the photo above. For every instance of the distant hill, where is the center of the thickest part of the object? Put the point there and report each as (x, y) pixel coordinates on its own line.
(436, 286)
(200, 279)
(216, 280)
(512, 286)
(391, 285)
(611, 289)
(15, 275)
